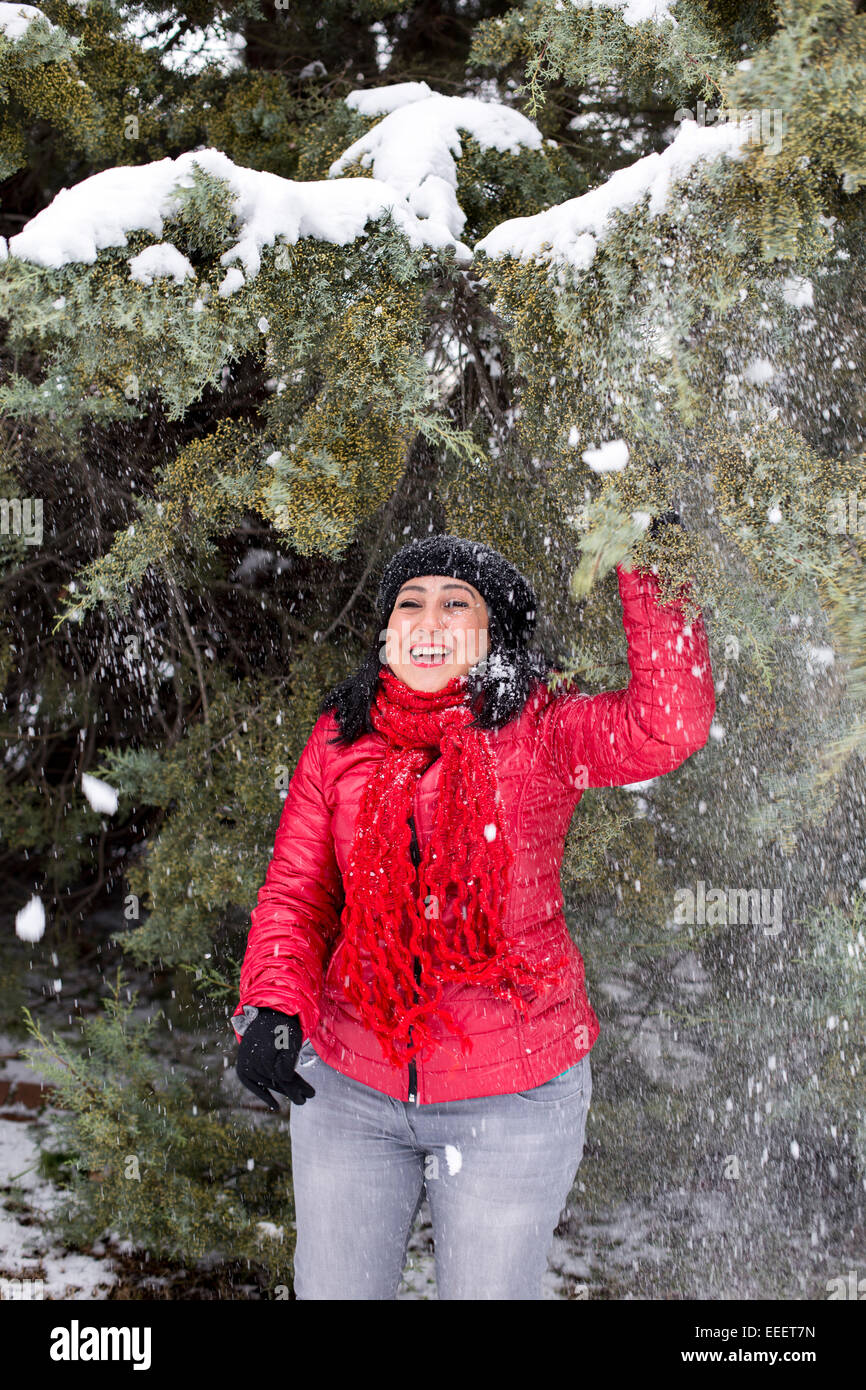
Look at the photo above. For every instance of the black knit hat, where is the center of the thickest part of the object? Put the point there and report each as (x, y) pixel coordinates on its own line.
(508, 594)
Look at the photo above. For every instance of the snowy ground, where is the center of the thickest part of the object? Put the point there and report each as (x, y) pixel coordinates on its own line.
(27, 1248)
(633, 1250)
(616, 1242)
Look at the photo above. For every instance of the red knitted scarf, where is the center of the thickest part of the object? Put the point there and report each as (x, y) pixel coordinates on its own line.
(393, 912)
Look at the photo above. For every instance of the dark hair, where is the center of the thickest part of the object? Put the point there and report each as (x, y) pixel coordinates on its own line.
(504, 681)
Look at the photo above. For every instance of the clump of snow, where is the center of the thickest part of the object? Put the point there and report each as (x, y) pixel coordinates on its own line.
(774, 515)
(15, 20)
(662, 339)
(572, 231)
(612, 457)
(234, 280)
(158, 261)
(381, 101)
(820, 656)
(799, 291)
(415, 147)
(256, 560)
(30, 921)
(497, 665)
(269, 1231)
(632, 11)
(384, 45)
(99, 212)
(759, 370)
(101, 796)
(454, 1158)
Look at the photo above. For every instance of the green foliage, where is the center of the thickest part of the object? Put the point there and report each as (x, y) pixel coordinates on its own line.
(139, 1159)
(176, 529)
(39, 79)
(323, 139)
(344, 336)
(599, 825)
(559, 41)
(829, 966)
(494, 185)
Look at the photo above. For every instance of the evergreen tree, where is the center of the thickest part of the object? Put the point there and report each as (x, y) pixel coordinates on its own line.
(527, 273)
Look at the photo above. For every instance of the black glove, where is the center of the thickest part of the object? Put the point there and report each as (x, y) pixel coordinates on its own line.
(671, 518)
(267, 1055)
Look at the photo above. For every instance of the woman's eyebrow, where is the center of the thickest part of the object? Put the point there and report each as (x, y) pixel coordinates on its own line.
(422, 589)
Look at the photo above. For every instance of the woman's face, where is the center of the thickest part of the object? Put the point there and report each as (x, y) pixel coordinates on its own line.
(437, 630)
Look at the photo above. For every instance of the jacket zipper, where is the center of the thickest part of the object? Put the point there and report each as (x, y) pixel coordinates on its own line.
(416, 967)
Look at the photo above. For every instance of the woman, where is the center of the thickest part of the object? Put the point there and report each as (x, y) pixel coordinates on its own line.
(408, 963)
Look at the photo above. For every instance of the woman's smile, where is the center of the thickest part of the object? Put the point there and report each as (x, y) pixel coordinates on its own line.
(425, 654)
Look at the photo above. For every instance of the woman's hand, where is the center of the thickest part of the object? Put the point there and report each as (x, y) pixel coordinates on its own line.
(267, 1056)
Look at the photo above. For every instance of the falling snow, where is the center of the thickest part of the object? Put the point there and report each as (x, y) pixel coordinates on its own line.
(101, 796)
(30, 921)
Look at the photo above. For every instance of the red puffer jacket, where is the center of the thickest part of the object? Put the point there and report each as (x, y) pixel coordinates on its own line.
(545, 757)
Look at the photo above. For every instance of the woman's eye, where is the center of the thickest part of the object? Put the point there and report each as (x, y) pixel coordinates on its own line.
(450, 603)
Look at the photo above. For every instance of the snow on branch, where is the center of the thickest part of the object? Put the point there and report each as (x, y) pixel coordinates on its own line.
(15, 20)
(381, 101)
(632, 11)
(415, 147)
(572, 231)
(101, 210)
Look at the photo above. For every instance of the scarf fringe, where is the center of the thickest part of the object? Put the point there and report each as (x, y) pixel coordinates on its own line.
(385, 893)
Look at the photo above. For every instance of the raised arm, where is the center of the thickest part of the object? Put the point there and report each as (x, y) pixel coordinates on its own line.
(299, 904)
(663, 715)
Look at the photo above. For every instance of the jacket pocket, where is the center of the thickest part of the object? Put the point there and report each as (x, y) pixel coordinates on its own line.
(560, 1089)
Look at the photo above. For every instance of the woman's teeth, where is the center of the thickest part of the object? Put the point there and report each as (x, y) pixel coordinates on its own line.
(429, 656)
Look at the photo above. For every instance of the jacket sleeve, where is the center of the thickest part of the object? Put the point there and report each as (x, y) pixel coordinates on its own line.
(299, 904)
(663, 715)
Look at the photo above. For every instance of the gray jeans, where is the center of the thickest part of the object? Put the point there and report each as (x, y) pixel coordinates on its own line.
(497, 1172)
